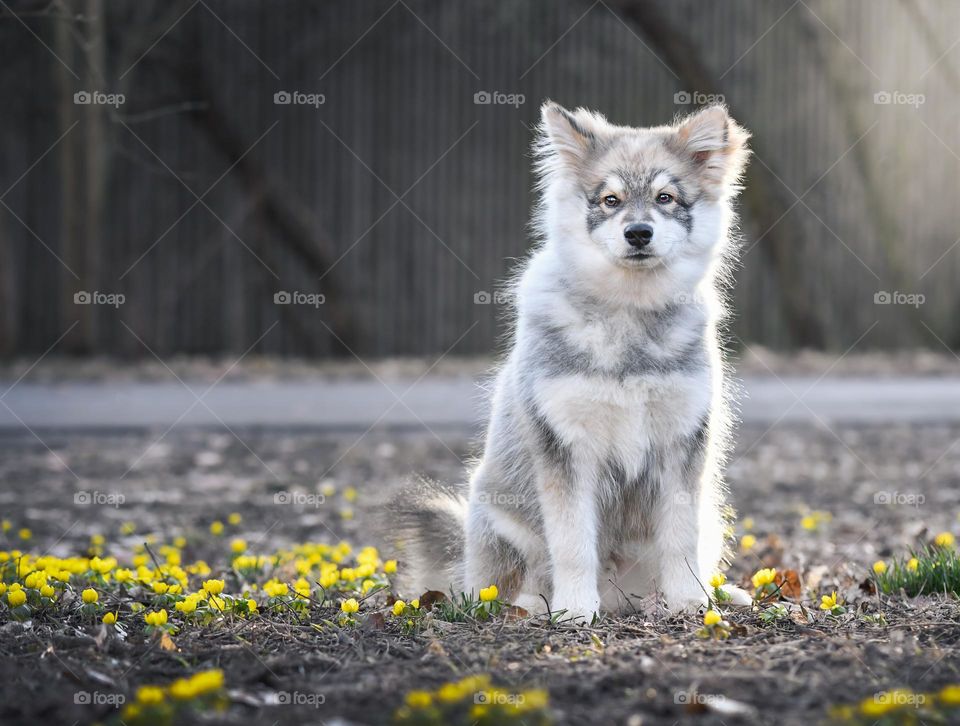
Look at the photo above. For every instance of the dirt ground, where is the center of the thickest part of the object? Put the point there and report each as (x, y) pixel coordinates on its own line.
(886, 488)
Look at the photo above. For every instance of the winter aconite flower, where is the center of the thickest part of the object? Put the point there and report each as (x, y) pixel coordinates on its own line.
(16, 598)
(828, 602)
(350, 606)
(216, 528)
(89, 596)
(109, 618)
(747, 542)
(944, 539)
(879, 567)
(156, 619)
(711, 617)
(764, 577)
(390, 566)
(234, 518)
(238, 546)
(149, 695)
(398, 607)
(913, 564)
(419, 699)
(213, 587)
(488, 594)
(718, 580)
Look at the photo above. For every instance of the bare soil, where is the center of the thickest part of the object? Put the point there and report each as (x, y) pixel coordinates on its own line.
(887, 487)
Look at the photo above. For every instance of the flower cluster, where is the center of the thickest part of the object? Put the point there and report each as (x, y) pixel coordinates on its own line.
(902, 706)
(474, 700)
(173, 703)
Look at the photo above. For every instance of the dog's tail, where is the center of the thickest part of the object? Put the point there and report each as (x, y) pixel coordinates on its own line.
(426, 524)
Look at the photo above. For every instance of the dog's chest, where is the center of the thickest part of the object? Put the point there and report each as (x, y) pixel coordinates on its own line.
(623, 419)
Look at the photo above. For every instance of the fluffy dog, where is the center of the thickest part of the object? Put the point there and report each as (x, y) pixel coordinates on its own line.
(601, 475)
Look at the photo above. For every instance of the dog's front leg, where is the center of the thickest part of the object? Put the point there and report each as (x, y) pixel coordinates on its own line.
(569, 505)
(676, 537)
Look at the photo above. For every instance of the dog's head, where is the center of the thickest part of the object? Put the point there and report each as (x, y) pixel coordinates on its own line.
(640, 198)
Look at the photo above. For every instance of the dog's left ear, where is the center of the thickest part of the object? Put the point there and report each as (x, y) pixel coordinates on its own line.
(716, 144)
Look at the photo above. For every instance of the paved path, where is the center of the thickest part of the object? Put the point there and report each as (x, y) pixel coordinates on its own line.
(436, 402)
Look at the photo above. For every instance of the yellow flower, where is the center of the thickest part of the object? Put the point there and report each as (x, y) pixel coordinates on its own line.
(398, 607)
(747, 542)
(809, 522)
(350, 606)
(711, 617)
(488, 594)
(187, 605)
(25, 534)
(109, 618)
(275, 589)
(950, 695)
(216, 528)
(450, 693)
(350, 494)
(944, 539)
(327, 489)
(238, 545)
(47, 590)
(828, 602)
(97, 540)
(128, 528)
(7, 525)
(718, 580)
(346, 514)
(390, 566)
(180, 542)
(252, 605)
(913, 564)
(182, 689)
(149, 695)
(213, 587)
(415, 603)
(764, 577)
(301, 588)
(16, 598)
(419, 699)
(89, 596)
(160, 587)
(207, 681)
(879, 567)
(156, 618)
(234, 518)
(748, 523)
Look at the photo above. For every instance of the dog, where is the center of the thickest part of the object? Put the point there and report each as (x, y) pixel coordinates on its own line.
(601, 477)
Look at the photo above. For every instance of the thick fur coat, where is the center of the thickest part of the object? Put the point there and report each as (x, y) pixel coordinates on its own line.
(602, 472)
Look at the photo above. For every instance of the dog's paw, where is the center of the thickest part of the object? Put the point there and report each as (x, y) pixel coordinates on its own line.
(580, 609)
(686, 602)
(738, 596)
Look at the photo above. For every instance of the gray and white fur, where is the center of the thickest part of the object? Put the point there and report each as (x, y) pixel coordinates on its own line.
(601, 474)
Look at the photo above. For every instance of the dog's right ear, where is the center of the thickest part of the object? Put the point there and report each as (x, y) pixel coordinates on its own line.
(573, 135)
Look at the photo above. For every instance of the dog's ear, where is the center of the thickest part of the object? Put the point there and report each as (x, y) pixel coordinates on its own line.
(715, 143)
(572, 135)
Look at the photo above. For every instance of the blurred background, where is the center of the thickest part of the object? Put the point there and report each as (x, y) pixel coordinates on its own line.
(191, 172)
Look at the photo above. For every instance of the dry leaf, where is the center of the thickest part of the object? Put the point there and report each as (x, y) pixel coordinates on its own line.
(430, 597)
(789, 583)
(166, 643)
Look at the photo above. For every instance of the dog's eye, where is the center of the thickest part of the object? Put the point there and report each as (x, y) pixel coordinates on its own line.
(610, 201)
(664, 198)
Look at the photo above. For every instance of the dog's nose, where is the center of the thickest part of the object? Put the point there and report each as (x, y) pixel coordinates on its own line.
(638, 234)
